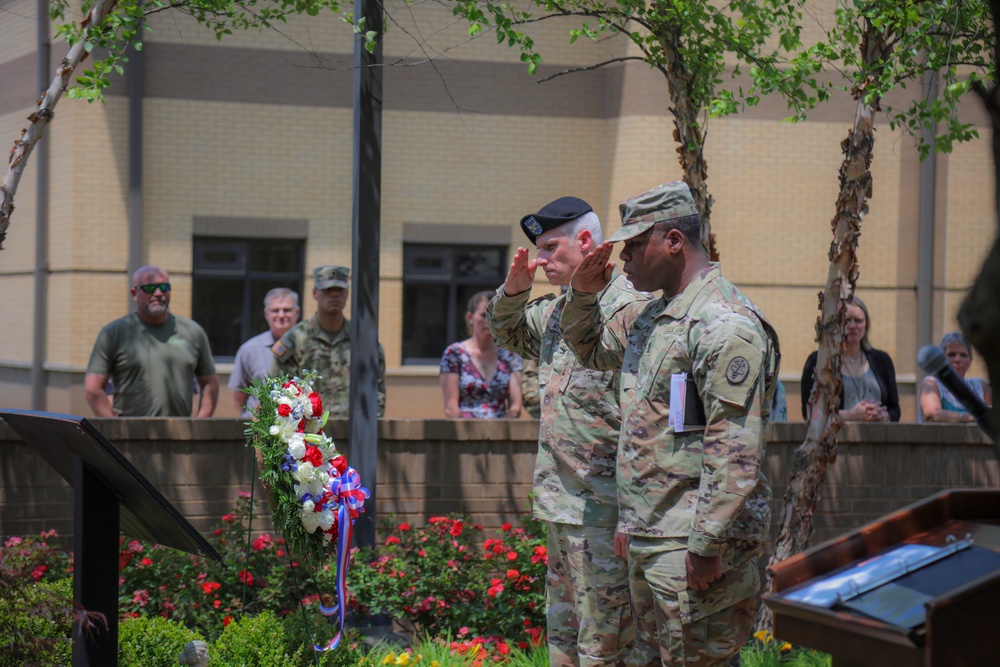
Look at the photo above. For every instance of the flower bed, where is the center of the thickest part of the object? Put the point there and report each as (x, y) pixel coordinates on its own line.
(469, 599)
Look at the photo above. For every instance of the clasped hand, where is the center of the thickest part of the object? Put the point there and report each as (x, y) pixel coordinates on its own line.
(871, 411)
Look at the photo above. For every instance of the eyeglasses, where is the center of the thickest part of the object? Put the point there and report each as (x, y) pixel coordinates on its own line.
(152, 287)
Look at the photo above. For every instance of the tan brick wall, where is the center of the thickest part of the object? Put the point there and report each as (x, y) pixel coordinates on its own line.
(89, 178)
(484, 469)
(774, 186)
(17, 29)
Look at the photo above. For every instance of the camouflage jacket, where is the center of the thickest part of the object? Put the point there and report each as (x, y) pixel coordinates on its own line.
(580, 418)
(309, 346)
(704, 485)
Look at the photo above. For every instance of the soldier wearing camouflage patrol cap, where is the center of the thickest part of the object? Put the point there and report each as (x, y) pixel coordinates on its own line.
(588, 614)
(692, 496)
(323, 343)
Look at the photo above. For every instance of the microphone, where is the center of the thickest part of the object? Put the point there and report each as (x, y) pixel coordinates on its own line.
(931, 358)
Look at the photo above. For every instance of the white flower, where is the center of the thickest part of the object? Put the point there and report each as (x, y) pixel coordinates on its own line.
(297, 446)
(310, 520)
(327, 517)
(306, 473)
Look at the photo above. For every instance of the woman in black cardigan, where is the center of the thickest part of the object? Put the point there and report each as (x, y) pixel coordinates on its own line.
(868, 378)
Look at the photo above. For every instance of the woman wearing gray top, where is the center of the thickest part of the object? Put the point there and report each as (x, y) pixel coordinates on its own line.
(868, 377)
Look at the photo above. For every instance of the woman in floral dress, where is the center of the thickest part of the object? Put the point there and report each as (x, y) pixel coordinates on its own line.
(478, 379)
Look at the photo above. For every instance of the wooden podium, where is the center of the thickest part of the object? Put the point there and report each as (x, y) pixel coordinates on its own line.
(110, 495)
(960, 625)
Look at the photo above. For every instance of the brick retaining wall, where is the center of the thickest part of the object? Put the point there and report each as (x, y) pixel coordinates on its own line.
(482, 468)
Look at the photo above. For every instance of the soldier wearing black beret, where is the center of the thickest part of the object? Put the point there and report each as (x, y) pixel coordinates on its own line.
(553, 215)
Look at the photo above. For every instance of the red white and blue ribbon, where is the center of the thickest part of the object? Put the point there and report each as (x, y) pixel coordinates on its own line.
(351, 498)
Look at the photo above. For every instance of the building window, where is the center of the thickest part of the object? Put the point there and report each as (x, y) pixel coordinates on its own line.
(231, 277)
(438, 281)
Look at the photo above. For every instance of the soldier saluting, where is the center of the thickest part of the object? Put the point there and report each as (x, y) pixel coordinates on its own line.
(691, 494)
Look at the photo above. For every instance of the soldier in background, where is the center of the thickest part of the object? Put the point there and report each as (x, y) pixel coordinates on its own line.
(323, 343)
(692, 495)
(588, 614)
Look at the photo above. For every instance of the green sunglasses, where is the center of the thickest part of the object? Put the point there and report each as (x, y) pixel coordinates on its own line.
(152, 287)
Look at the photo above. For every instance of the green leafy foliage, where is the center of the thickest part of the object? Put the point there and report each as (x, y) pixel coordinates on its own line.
(951, 38)
(36, 602)
(500, 622)
(763, 650)
(253, 641)
(435, 580)
(123, 27)
(687, 40)
(254, 575)
(152, 641)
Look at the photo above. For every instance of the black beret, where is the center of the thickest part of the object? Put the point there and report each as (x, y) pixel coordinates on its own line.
(559, 212)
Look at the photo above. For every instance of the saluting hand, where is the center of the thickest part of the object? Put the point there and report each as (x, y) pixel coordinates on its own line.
(594, 272)
(521, 275)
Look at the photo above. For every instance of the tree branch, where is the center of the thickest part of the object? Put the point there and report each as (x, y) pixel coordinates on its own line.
(587, 68)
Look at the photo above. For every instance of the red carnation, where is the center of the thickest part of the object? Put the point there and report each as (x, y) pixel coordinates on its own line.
(340, 464)
(313, 456)
(284, 410)
(317, 404)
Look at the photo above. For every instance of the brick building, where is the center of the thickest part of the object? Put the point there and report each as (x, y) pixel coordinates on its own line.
(238, 178)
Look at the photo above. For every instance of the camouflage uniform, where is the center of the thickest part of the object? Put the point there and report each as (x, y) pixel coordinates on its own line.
(701, 491)
(529, 388)
(307, 345)
(588, 612)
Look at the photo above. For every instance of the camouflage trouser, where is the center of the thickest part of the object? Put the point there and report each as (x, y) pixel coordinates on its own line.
(677, 626)
(588, 614)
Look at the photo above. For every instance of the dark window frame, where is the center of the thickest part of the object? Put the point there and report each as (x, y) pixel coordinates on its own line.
(448, 275)
(251, 309)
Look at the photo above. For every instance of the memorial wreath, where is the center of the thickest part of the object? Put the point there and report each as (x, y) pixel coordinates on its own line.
(315, 496)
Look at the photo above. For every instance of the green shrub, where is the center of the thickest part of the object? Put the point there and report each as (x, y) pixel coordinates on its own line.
(436, 580)
(320, 631)
(152, 641)
(36, 608)
(253, 641)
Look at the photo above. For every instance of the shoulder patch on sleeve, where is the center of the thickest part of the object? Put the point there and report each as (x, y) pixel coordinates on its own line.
(281, 351)
(736, 371)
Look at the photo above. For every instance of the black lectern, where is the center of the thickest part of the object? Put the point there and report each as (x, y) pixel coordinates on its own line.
(110, 495)
(917, 588)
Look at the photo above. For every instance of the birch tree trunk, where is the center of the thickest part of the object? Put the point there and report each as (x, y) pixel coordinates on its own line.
(688, 133)
(819, 450)
(42, 116)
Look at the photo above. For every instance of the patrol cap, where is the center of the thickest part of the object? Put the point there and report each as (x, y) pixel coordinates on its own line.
(331, 276)
(664, 202)
(559, 212)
